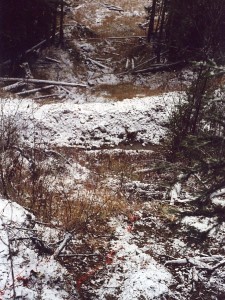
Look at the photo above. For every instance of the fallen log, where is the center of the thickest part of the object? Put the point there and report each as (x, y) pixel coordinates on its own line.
(41, 81)
(34, 90)
(157, 68)
(117, 37)
(13, 86)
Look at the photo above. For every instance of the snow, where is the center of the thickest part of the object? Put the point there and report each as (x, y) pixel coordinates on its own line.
(218, 198)
(201, 224)
(87, 125)
(175, 193)
(219, 202)
(93, 125)
(133, 273)
(36, 276)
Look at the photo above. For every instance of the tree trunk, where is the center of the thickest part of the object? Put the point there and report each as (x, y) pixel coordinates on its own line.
(61, 35)
(152, 21)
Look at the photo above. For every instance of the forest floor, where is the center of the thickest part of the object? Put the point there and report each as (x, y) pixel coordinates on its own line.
(106, 167)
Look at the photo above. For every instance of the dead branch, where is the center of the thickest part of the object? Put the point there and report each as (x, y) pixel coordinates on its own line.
(127, 63)
(74, 255)
(52, 59)
(97, 63)
(220, 264)
(66, 240)
(200, 262)
(158, 67)
(66, 90)
(113, 7)
(46, 96)
(34, 90)
(149, 60)
(13, 86)
(118, 37)
(27, 52)
(37, 81)
(218, 193)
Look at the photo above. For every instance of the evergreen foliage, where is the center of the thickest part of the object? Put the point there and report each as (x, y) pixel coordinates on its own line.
(192, 29)
(197, 130)
(24, 23)
(195, 29)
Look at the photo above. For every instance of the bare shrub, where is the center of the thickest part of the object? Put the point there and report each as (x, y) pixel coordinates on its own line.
(35, 177)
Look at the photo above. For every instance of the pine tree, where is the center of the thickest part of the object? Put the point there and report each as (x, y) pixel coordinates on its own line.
(24, 23)
(195, 29)
(197, 132)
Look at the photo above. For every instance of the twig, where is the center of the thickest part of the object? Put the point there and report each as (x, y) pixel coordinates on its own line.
(52, 59)
(73, 255)
(220, 264)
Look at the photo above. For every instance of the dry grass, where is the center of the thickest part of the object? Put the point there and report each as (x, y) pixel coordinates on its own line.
(95, 208)
(127, 91)
(37, 182)
(119, 26)
(69, 209)
(110, 22)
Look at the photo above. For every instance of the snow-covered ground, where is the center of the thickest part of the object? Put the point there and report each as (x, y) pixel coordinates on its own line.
(131, 270)
(132, 274)
(94, 125)
(25, 272)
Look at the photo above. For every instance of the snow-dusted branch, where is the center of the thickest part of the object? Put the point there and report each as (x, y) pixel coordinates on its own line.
(51, 82)
(35, 90)
(13, 86)
(200, 262)
(67, 239)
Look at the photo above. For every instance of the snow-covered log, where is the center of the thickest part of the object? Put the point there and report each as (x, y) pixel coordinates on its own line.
(36, 81)
(35, 90)
(13, 86)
